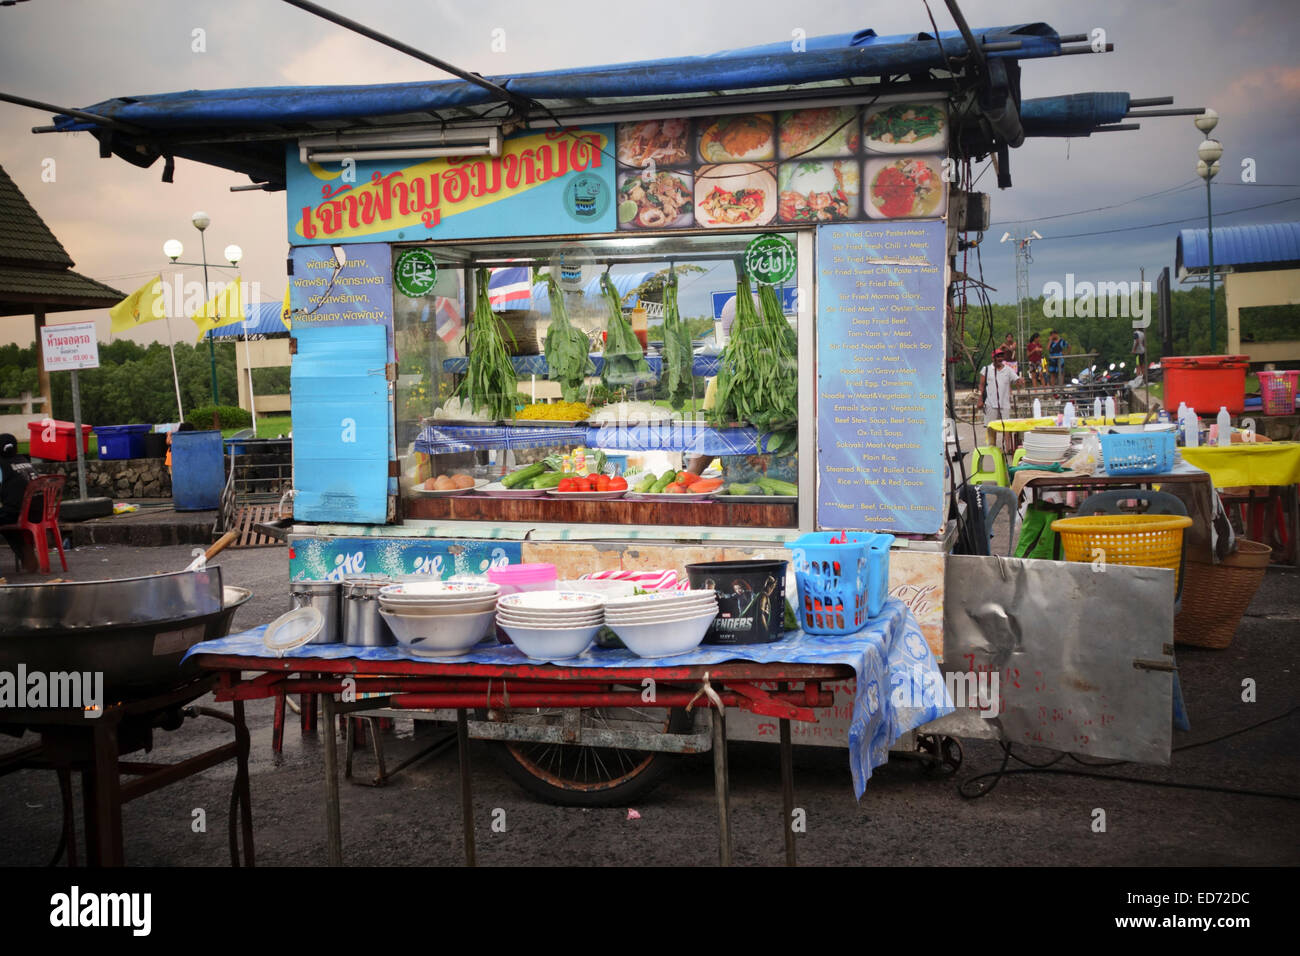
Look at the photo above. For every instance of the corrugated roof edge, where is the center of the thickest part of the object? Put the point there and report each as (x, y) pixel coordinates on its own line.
(1238, 246)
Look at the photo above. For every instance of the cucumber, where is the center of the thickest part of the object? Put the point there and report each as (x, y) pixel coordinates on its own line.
(774, 487)
(551, 479)
(517, 478)
(645, 484)
(666, 479)
(741, 489)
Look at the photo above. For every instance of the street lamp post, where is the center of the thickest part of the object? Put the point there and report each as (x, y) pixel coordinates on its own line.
(1207, 167)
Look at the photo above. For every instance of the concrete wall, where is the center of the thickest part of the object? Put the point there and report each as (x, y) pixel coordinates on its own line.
(1247, 290)
(267, 353)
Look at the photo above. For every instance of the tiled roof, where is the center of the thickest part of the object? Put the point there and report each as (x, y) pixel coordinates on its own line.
(23, 234)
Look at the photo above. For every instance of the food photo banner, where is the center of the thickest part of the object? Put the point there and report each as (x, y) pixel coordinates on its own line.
(787, 167)
(880, 376)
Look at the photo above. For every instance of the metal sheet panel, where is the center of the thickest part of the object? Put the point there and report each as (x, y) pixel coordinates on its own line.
(1083, 657)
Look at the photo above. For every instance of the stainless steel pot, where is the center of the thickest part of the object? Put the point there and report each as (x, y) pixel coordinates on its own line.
(362, 625)
(326, 597)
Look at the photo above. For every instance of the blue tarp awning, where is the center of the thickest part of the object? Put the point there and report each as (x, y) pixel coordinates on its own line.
(1076, 114)
(1272, 245)
(260, 318)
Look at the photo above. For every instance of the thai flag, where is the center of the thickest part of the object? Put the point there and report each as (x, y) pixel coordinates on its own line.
(510, 285)
(448, 322)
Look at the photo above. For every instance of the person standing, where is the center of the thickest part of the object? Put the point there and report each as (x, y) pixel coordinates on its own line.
(1057, 349)
(996, 382)
(1034, 359)
(1139, 353)
(1009, 353)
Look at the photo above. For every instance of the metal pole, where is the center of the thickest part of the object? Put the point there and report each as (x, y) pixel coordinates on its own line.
(76, 422)
(1209, 216)
(466, 789)
(212, 349)
(787, 791)
(333, 831)
(721, 788)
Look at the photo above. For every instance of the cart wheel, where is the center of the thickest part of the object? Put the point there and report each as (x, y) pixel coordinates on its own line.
(952, 753)
(578, 776)
(941, 755)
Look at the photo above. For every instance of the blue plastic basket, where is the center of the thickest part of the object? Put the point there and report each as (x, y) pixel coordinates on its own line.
(841, 586)
(1145, 453)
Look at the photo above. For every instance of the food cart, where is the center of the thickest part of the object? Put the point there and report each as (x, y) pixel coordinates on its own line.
(425, 220)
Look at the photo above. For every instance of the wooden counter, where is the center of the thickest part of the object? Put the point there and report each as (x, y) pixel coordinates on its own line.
(551, 510)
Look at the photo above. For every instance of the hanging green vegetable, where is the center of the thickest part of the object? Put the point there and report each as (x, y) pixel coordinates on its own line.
(758, 380)
(678, 351)
(490, 381)
(625, 363)
(568, 358)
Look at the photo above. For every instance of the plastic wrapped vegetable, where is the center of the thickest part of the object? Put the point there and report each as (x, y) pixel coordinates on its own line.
(625, 363)
(678, 351)
(567, 349)
(490, 381)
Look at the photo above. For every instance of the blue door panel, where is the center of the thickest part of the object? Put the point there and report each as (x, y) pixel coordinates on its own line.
(341, 424)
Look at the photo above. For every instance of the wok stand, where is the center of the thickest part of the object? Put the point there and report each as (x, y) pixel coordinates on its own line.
(94, 746)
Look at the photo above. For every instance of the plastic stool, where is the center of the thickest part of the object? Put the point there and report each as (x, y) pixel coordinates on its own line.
(998, 474)
(1015, 459)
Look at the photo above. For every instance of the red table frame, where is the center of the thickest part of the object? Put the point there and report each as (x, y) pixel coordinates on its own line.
(433, 684)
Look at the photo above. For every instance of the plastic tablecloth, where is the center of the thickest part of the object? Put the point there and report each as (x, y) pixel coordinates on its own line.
(1242, 465)
(693, 438)
(899, 684)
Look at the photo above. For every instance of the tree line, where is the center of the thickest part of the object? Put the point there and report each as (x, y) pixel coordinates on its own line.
(133, 384)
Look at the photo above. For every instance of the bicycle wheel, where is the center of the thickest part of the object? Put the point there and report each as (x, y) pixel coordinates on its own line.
(576, 775)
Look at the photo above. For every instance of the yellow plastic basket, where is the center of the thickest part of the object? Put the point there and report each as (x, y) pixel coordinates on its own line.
(1149, 541)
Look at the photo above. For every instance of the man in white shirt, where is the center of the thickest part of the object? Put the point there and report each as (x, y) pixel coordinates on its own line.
(996, 382)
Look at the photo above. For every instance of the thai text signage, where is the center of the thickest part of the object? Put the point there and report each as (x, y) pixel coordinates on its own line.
(556, 182)
(341, 285)
(880, 371)
(69, 346)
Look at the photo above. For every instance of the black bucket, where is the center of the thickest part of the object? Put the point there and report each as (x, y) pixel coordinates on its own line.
(155, 445)
(751, 600)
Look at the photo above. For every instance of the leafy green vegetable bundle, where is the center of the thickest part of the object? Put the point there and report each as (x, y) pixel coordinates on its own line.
(490, 382)
(568, 358)
(678, 353)
(758, 375)
(625, 362)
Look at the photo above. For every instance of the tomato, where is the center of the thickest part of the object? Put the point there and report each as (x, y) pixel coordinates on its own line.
(618, 483)
(602, 482)
(566, 484)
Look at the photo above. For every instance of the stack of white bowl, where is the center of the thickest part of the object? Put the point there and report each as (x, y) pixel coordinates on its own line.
(662, 623)
(1043, 448)
(546, 625)
(439, 618)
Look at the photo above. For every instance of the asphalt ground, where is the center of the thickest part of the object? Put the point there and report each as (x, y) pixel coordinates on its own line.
(905, 817)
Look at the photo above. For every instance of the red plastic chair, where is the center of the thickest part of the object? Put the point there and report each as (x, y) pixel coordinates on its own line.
(49, 488)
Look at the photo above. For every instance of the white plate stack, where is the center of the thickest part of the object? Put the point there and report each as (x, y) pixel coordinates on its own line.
(439, 618)
(663, 623)
(1043, 448)
(549, 625)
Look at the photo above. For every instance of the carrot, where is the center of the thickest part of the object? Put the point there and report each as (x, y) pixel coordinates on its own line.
(702, 485)
(674, 489)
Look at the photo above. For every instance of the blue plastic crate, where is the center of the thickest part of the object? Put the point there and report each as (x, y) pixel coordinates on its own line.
(841, 586)
(117, 442)
(1145, 453)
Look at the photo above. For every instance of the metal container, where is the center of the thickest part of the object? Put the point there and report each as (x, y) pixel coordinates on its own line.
(326, 597)
(362, 625)
(135, 630)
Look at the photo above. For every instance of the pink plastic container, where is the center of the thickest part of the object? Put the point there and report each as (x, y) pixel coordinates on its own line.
(522, 577)
(1278, 389)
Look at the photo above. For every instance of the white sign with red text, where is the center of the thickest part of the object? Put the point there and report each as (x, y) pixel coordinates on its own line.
(70, 346)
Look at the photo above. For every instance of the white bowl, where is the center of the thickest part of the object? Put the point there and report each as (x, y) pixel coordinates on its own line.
(551, 643)
(655, 640)
(439, 610)
(445, 635)
(660, 599)
(605, 587)
(551, 601)
(552, 617)
(438, 590)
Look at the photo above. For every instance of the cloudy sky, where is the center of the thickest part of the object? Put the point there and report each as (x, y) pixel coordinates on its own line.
(113, 218)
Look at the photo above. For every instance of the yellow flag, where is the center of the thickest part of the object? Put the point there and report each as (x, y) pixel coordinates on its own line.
(224, 308)
(143, 305)
(286, 310)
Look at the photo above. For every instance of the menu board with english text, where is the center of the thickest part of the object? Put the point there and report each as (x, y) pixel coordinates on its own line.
(880, 328)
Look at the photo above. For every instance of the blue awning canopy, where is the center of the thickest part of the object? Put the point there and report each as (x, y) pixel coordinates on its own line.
(260, 318)
(246, 130)
(1270, 245)
(1076, 114)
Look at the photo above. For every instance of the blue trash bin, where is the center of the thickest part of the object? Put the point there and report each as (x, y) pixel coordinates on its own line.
(198, 470)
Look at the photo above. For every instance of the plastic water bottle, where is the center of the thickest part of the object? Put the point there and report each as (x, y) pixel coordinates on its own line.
(1038, 409)
(1110, 408)
(1068, 419)
(1193, 430)
(1096, 407)
(1182, 413)
(1225, 426)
